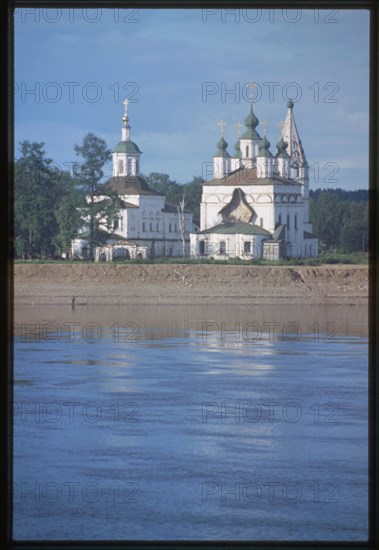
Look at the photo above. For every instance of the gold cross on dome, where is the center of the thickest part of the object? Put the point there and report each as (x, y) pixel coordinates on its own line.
(265, 123)
(251, 86)
(238, 126)
(221, 124)
(126, 103)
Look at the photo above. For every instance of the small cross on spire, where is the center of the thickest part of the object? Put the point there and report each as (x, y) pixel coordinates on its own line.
(238, 126)
(221, 124)
(251, 86)
(126, 103)
(265, 123)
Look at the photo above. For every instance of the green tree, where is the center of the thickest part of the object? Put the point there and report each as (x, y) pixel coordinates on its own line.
(193, 191)
(354, 231)
(340, 218)
(163, 184)
(37, 187)
(174, 191)
(68, 214)
(94, 212)
(326, 213)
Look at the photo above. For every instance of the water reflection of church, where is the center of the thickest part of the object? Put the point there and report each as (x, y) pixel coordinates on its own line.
(257, 204)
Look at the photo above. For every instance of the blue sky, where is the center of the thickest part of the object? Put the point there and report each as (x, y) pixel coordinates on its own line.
(177, 66)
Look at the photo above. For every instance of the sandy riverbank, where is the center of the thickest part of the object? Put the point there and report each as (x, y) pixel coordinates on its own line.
(134, 284)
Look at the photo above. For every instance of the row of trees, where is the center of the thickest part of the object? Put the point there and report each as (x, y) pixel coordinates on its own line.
(340, 219)
(51, 205)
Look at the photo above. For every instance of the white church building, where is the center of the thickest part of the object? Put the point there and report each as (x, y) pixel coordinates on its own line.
(147, 226)
(257, 204)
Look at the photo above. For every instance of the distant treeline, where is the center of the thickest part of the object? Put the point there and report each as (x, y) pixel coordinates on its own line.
(50, 204)
(340, 219)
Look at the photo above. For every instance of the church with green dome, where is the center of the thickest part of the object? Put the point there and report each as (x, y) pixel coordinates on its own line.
(147, 226)
(256, 204)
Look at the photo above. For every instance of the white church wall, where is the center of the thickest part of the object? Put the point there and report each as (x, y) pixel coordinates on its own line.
(224, 247)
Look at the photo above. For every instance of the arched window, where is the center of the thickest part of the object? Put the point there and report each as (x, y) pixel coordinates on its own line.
(120, 167)
(247, 150)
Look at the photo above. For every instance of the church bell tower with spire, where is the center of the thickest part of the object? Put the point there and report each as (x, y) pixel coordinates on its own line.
(299, 168)
(250, 139)
(126, 155)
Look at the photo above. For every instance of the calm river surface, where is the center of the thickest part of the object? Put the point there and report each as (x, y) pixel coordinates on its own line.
(191, 423)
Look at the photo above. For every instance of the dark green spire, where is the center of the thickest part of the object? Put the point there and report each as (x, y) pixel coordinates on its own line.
(221, 148)
(264, 146)
(251, 122)
(237, 150)
(281, 149)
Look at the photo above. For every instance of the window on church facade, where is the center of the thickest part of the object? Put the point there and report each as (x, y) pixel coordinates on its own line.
(151, 226)
(202, 248)
(280, 219)
(247, 150)
(288, 221)
(143, 226)
(261, 222)
(115, 224)
(222, 247)
(157, 226)
(170, 227)
(120, 166)
(247, 247)
(295, 221)
(176, 227)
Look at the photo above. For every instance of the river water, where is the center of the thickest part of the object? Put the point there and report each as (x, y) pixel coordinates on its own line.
(191, 423)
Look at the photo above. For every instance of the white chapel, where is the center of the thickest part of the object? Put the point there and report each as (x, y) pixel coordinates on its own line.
(257, 204)
(147, 225)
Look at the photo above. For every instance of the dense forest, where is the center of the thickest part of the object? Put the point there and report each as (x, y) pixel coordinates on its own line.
(340, 219)
(50, 204)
